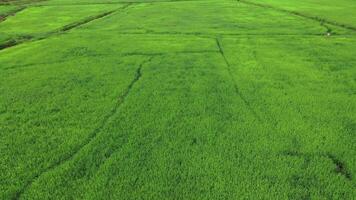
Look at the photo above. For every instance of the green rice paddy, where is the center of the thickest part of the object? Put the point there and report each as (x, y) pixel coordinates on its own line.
(168, 99)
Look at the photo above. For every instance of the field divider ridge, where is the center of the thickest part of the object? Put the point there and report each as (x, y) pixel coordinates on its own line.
(213, 35)
(21, 66)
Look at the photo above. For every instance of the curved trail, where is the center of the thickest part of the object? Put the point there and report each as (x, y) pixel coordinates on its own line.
(93, 134)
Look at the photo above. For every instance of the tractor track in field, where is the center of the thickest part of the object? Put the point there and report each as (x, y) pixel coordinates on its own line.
(340, 167)
(322, 21)
(17, 41)
(237, 90)
(120, 101)
(85, 21)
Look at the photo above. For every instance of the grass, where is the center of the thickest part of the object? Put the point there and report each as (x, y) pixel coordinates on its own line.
(178, 100)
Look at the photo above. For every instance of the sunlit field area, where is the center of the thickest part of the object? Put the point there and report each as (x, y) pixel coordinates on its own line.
(178, 99)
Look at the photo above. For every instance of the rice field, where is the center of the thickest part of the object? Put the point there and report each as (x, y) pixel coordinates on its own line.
(169, 99)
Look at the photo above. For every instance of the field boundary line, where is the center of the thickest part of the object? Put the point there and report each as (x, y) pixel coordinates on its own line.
(213, 35)
(120, 101)
(236, 87)
(21, 66)
(322, 21)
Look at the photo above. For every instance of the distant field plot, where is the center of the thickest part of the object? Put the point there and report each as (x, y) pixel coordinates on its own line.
(213, 18)
(341, 11)
(177, 100)
(40, 21)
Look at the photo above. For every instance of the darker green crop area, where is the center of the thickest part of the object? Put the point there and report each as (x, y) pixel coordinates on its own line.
(168, 99)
